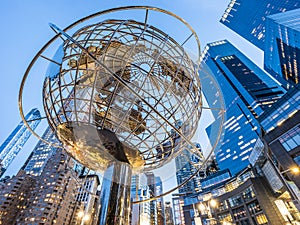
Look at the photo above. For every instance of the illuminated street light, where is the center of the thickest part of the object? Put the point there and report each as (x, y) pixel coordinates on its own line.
(294, 169)
(86, 217)
(80, 214)
(294, 196)
(83, 216)
(213, 203)
(202, 207)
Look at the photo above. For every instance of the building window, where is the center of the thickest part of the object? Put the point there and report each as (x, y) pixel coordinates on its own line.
(245, 222)
(225, 218)
(234, 201)
(254, 207)
(192, 213)
(291, 139)
(261, 219)
(222, 206)
(297, 160)
(248, 194)
(239, 213)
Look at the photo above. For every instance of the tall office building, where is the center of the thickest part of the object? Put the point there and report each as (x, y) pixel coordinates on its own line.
(247, 92)
(151, 181)
(178, 203)
(157, 216)
(282, 46)
(17, 139)
(160, 202)
(14, 193)
(247, 18)
(53, 197)
(185, 168)
(169, 214)
(41, 153)
(140, 213)
(282, 133)
(45, 199)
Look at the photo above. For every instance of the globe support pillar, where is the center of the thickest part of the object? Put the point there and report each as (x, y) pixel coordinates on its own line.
(115, 195)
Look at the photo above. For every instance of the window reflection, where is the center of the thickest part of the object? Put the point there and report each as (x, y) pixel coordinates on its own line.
(291, 139)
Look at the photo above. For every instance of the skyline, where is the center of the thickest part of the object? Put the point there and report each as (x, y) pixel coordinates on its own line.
(42, 33)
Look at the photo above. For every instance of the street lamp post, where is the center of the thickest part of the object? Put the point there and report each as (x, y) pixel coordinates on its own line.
(295, 170)
(205, 208)
(294, 196)
(290, 190)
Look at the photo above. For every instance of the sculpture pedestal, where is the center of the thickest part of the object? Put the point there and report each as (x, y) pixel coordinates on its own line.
(115, 205)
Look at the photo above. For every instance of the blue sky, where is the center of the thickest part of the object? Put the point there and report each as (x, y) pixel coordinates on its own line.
(25, 30)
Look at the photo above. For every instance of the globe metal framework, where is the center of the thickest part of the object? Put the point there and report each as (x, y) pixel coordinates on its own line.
(125, 79)
(122, 92)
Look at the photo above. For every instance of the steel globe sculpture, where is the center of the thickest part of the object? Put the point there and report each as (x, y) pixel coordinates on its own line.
(125, 92)
(123, 96)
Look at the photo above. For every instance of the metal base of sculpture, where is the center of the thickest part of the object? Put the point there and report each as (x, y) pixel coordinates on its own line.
(115, 195)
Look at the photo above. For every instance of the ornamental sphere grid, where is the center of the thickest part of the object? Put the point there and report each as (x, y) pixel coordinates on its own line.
(159, 96)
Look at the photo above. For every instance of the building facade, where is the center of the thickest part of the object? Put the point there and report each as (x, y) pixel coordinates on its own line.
(285, 197)
(246, 199)
(140, 213)
(247, 91)
(151, 182)
(282, 47)
(17, 139)
(46, 199)
(215, 179)
(178, 203)
(169, 214)
(14, 193)
(281, 125)
(252, 26)
(145, 186)
(160, 202)
(42, 152)
(54, 196)
(185, 168)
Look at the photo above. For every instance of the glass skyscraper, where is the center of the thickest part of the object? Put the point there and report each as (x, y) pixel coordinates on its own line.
(281, 111)
(41, 154)
(247, 91)
(141, 213)
(282, 46)
(160, 202)
(248, 18)
(17, 139)
(185, 169)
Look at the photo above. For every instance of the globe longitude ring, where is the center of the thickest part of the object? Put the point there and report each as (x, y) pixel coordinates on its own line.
(121, 91)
